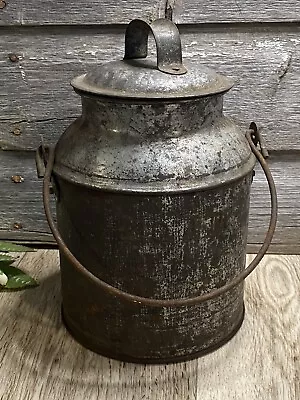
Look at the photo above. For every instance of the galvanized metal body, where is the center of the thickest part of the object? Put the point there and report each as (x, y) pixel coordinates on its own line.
(153, 198)
(159, 246)
(152, 186)
(152, 146)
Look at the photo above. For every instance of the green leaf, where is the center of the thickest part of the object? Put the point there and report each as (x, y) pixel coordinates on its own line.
(17, 279)
(5, 247)
(5, 259)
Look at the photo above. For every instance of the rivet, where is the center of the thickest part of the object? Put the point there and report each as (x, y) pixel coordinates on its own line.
(17, 131)
(17, 178)
(17, 225)
(13, 57)
(2, 4)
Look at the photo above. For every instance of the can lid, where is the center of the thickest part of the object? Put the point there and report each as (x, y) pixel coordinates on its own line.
(139, 77)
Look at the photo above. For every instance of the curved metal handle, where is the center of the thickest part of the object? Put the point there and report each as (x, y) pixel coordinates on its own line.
(191, 301)
(168, 44)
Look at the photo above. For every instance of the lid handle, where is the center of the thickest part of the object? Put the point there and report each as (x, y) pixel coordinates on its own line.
(168, 44)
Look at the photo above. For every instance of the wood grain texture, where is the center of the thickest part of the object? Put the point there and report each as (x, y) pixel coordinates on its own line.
(21, 203)
(210, 11)
(72, 12)
(38, 103)
(92, 12)
(40, 360)
(285, 169)
(262, 361)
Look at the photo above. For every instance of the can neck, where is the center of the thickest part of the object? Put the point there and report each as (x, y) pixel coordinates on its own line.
(151, 120)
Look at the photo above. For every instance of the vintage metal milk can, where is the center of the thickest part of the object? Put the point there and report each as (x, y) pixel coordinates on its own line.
(152, 187)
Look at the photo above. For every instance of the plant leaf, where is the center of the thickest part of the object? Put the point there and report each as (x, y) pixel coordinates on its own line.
(5, 259)
(17, 279)
(5, 247)
(3, 278)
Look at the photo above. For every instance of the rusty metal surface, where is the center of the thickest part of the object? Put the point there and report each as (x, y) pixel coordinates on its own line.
(160, 247)
(253, 139)
(88, 342)
(152, 201)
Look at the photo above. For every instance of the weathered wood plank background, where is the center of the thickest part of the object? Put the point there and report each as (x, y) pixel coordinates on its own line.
(73, 12)
(228, 11)
(45, 44)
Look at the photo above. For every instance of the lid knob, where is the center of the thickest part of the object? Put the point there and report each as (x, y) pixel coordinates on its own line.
(167, 39)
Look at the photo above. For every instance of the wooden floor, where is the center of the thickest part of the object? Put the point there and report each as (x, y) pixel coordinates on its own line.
(40, 360)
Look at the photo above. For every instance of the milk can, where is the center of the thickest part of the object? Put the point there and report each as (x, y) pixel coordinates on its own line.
(152, 186)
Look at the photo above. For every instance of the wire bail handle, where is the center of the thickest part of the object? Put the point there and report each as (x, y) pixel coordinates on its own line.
(253, 139)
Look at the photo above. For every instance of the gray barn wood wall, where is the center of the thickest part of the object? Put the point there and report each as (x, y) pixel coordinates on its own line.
(44, 44)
